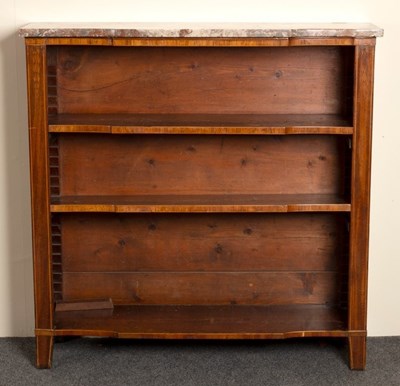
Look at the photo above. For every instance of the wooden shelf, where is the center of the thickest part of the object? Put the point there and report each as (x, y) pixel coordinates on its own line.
(200, 124)
(200, 322)
(202, 203)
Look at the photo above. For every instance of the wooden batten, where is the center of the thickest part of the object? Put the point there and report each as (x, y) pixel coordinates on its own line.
(86, 305)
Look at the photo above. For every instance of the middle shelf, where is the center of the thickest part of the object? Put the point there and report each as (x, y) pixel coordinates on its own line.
(232, 203)
(210, 173)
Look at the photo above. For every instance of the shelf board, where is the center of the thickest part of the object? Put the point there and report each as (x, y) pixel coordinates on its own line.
(223, 203)
(200, 124)
(205, 322)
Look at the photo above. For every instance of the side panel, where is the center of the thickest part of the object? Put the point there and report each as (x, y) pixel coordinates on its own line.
(360, 199)
(38, 137)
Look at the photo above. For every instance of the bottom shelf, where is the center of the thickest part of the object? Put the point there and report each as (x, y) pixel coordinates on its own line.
(205, 322)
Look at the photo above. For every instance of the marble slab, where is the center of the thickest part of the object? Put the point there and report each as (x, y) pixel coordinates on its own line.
(200, 30)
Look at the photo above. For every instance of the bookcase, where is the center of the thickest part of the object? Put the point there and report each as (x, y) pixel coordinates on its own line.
(209, 182)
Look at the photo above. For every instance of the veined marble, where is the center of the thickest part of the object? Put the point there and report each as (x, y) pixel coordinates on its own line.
(201, 30)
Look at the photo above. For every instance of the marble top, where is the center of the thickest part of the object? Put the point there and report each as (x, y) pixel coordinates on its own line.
(200, 30)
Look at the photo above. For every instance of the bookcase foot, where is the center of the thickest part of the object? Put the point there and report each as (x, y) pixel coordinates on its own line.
(357, 352)
(44, 351)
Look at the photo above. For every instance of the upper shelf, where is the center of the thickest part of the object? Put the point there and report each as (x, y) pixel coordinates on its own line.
(200, 124)
(201, 30)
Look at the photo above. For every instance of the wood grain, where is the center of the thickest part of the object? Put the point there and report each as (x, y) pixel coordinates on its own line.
(40, 200)
(204, 80)
(204, 288)
(236, 203)
(116, 243)
(206, 322)
(204, 42)
(88, 305)
(361, 179)
(78, 41)
(200, 42)
(44, 351)
(344, 41)
(255, 124)
(201, 165)
(357, 352)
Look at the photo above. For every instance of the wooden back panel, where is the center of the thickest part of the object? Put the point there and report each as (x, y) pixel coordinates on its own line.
(94, 164)
(209, 288)
(205, 258)
(205, 80)
(203, 242)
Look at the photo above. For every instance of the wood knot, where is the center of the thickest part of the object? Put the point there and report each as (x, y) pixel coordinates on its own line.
(278, 74)
(70, 65)
(247, 231)
(218, 248)
(309, 282)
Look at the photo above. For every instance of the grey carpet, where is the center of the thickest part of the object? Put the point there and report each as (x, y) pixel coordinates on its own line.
(119, 362)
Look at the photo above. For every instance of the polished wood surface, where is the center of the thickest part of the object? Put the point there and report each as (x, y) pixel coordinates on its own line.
(256, 124)
(40, 200)
(44, 351)
(207, 42)
(213, 322)
(360, 198)
(234, 42)
(210, 188)
(86, 305)
(205, 203)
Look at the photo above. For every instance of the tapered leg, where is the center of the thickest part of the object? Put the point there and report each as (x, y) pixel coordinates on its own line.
(36, 59)
(44, 351)
(357, 352)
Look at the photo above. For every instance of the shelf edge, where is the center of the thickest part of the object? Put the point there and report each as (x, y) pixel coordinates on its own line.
(201, 130)
(60, 208)
(194, 335)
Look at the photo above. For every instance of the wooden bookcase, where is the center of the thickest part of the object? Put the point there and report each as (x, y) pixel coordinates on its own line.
(210, 187)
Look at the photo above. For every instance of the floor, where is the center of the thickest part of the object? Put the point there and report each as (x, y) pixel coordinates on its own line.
(123, 362)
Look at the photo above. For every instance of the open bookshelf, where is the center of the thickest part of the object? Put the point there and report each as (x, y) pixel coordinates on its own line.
(212, 187)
